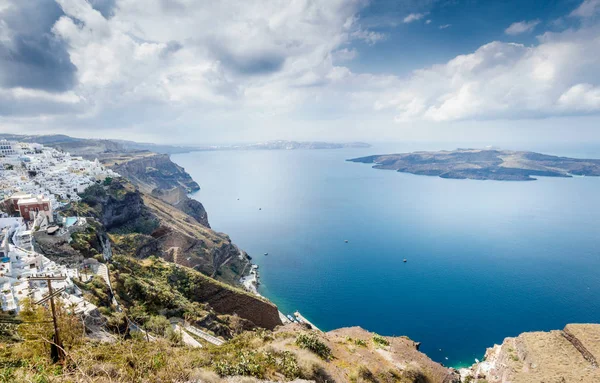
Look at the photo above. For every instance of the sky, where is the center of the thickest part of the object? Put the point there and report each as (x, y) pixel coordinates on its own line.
(200, 72)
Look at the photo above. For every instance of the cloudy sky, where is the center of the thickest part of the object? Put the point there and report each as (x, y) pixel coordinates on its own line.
(189, 71)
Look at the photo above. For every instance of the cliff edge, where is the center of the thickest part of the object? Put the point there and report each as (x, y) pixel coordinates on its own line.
(558, 356)
(156, 175)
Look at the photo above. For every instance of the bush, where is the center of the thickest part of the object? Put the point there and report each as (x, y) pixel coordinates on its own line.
(158, 324)
(246, 364)
(312, 343)
(174, 336)
(258, 364)
(380, 341)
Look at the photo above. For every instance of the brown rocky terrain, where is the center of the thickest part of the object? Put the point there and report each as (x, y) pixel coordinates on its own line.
(141, 225)
(155, 174)
(359, 357)
(186, 242)
(149, 171)
(559, 356)
(178, 291)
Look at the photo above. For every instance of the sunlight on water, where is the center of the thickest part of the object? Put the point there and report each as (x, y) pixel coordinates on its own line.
(485, 259)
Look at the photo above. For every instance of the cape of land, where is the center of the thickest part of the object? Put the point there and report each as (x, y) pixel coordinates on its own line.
(479, 164)
(92, 148)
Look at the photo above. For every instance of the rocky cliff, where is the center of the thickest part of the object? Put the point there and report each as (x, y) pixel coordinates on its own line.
(156, 175)
(151, 171)
(141, 225)
(559, 356)
(186, 242)
(167, 288)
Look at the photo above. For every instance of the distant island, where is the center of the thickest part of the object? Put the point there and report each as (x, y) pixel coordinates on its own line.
(479, 164)
(287, 145)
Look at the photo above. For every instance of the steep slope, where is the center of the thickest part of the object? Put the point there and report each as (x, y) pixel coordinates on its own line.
(142, 225)
(570, 355)
(381, 359)
(163, 287)
(150, 171)
(188, 243)
(156, 175)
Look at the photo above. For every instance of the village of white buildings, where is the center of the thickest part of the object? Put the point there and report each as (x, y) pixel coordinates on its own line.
(35, 183)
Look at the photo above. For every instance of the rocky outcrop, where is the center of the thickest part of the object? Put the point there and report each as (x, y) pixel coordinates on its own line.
(142, 226)
(361, 356)
(116, 212)
(116, 205)
(195, 209)
(186, 242)
(156, 175)
(177, 197)
(226, 300)
(57, 247)
(570, 355)
(167, 287)
(151, 171)
(73, 245)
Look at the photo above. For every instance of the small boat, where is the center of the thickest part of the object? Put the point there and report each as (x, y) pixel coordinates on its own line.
(404, 260)
(346, 241)
(266, 253)
(260, 208)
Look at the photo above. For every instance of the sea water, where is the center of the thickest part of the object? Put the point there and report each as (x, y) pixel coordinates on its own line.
(485, 259)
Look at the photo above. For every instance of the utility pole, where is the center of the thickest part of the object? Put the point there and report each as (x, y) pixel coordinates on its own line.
(56, 350)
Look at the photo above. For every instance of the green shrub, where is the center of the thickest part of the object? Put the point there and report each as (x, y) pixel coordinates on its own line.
(158, 324)
(174, 336)
(245, 363)
(366, 375)
(380, 341)
(257, 364)
(312, 343)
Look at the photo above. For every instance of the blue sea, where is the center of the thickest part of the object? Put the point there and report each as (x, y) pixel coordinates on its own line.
(485, 259)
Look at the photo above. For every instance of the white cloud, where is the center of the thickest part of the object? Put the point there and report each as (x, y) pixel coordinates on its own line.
(587, 9)
(345, 54)
(4, 4)
(581, 97)
(413, 17)
(445, 26)
(370, 37)
(428, 21)
(176, 66)
(521, 27)
(198, 53)
(505, 80)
